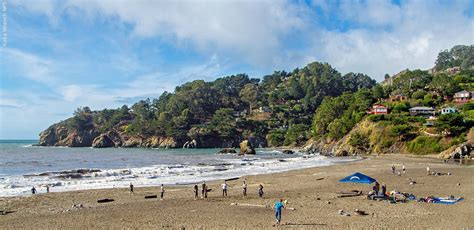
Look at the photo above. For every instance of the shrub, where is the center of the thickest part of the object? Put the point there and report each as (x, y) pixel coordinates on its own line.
(296, 134)
(468, 106)
(376, 117)
(386, 143)
(424, 145)
(276, 137)
(400, 130)
(359, 140)
(400, 107)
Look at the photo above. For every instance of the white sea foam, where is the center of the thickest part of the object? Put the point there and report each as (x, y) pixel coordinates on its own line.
(159, 174)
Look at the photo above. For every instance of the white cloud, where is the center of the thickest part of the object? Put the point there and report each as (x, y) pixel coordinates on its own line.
(371, 12)
(253, 30)
(413, 41)
(28, 65)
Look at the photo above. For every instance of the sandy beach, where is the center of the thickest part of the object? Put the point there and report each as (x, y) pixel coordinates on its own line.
(311, 192)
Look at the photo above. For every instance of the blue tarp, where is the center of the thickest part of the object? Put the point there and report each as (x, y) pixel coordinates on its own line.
(447, 200)
(358, 178)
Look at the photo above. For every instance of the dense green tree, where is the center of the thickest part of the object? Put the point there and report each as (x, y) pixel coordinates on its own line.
(355, 81)
(296, 134)
(460, 55)
(452, 124)
(359, 141)
(378, 92)
(223, 122)
(250, 94)
(400, 130)
(276, 137)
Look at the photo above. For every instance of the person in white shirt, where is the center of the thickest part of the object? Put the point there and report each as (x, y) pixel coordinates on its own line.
(162, 192)
(244, 188)
(224, 189)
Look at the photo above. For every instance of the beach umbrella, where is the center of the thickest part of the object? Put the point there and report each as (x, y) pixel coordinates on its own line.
(358, 178)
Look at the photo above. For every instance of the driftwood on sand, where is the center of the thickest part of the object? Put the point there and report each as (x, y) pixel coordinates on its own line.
(105, 200)
(349, 193)
(257, 205)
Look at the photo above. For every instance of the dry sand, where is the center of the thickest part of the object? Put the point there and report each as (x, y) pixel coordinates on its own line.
(315, 201)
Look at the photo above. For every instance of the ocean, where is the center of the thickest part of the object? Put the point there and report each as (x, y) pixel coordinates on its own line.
(23, 165)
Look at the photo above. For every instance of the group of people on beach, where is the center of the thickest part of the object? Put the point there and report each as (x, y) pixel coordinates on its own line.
(399, 173)
(204, 190)
(162, 190)
(225, 188)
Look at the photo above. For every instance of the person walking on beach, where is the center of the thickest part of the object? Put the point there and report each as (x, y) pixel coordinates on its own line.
(260, 191)
(224, 189)
(403, 169)
(131, 188)
(33, 190)
(204, 190)
(162, 192)
(196, 192)
(393, 169)
(244, 188)
(428, 171)
(47, 188)
(277, 207)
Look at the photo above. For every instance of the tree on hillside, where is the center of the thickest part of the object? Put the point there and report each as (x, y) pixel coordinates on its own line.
(460, 55)
(378, 92)
(355, 81)
(250, 95)
(453, 124)
(223, 122)
(400, 131)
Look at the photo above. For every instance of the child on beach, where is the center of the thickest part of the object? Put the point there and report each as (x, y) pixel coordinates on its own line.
(47, 188)
(403, 169)
(162, 192)
(393, 169)
(131, 188)
(277, 207)
(244, 188)
(33, 190)
(260, 191)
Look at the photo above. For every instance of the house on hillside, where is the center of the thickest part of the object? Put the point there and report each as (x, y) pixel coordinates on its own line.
(422, 111)
(378, 109)
(448, 110)
(463, 96)
(454, 70)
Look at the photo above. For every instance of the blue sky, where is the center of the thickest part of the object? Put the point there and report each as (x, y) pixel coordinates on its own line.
(61, 55)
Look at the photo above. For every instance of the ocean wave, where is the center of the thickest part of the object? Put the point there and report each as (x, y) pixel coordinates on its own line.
(83, 179)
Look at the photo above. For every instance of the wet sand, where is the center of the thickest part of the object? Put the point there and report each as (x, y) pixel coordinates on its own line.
(312, 192)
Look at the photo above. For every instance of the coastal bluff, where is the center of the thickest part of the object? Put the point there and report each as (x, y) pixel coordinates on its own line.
(90, 135)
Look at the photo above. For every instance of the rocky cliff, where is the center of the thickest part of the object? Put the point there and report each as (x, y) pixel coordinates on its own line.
(61, 134)
(373, 140)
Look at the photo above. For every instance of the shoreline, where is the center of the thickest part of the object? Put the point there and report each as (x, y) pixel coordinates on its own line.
(314, 199)
(302, 161)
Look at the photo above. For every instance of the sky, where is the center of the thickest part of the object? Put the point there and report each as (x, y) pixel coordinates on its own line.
(57, 55)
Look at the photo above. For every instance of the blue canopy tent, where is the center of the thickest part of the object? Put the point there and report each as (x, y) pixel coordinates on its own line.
(358, 178)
